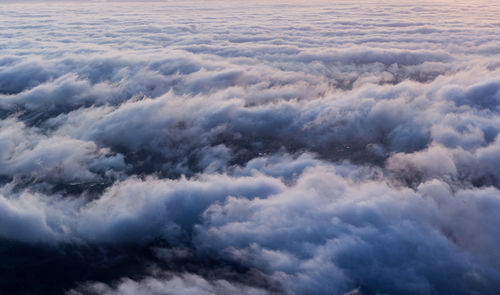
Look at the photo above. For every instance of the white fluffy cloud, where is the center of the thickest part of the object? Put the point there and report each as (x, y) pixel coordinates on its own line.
(186, 284)
(319, 148)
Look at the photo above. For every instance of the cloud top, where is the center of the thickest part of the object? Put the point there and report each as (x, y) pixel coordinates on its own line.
(250, 147)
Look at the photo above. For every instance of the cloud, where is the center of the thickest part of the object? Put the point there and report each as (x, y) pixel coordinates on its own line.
(326, 231)
(185, 284)
(249, 148)
(27, 154)
(329, 233)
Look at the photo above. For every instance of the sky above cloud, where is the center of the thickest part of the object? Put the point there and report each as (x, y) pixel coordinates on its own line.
(230, 147)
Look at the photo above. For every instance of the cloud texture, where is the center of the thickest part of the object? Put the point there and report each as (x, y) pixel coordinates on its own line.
(250, 148)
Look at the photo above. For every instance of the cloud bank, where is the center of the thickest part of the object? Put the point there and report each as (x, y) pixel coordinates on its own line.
(250, 148)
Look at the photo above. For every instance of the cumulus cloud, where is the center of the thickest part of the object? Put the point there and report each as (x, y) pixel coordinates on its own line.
(185, 284)
(328, 234)
(249, 148)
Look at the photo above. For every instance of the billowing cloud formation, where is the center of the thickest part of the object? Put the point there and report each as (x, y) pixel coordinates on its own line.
(185, 284)
(250, 148)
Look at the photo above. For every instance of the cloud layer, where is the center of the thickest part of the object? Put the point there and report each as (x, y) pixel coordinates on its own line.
(250, 148)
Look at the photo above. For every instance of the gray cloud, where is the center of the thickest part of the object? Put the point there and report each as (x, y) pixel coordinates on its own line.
(185, 284)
